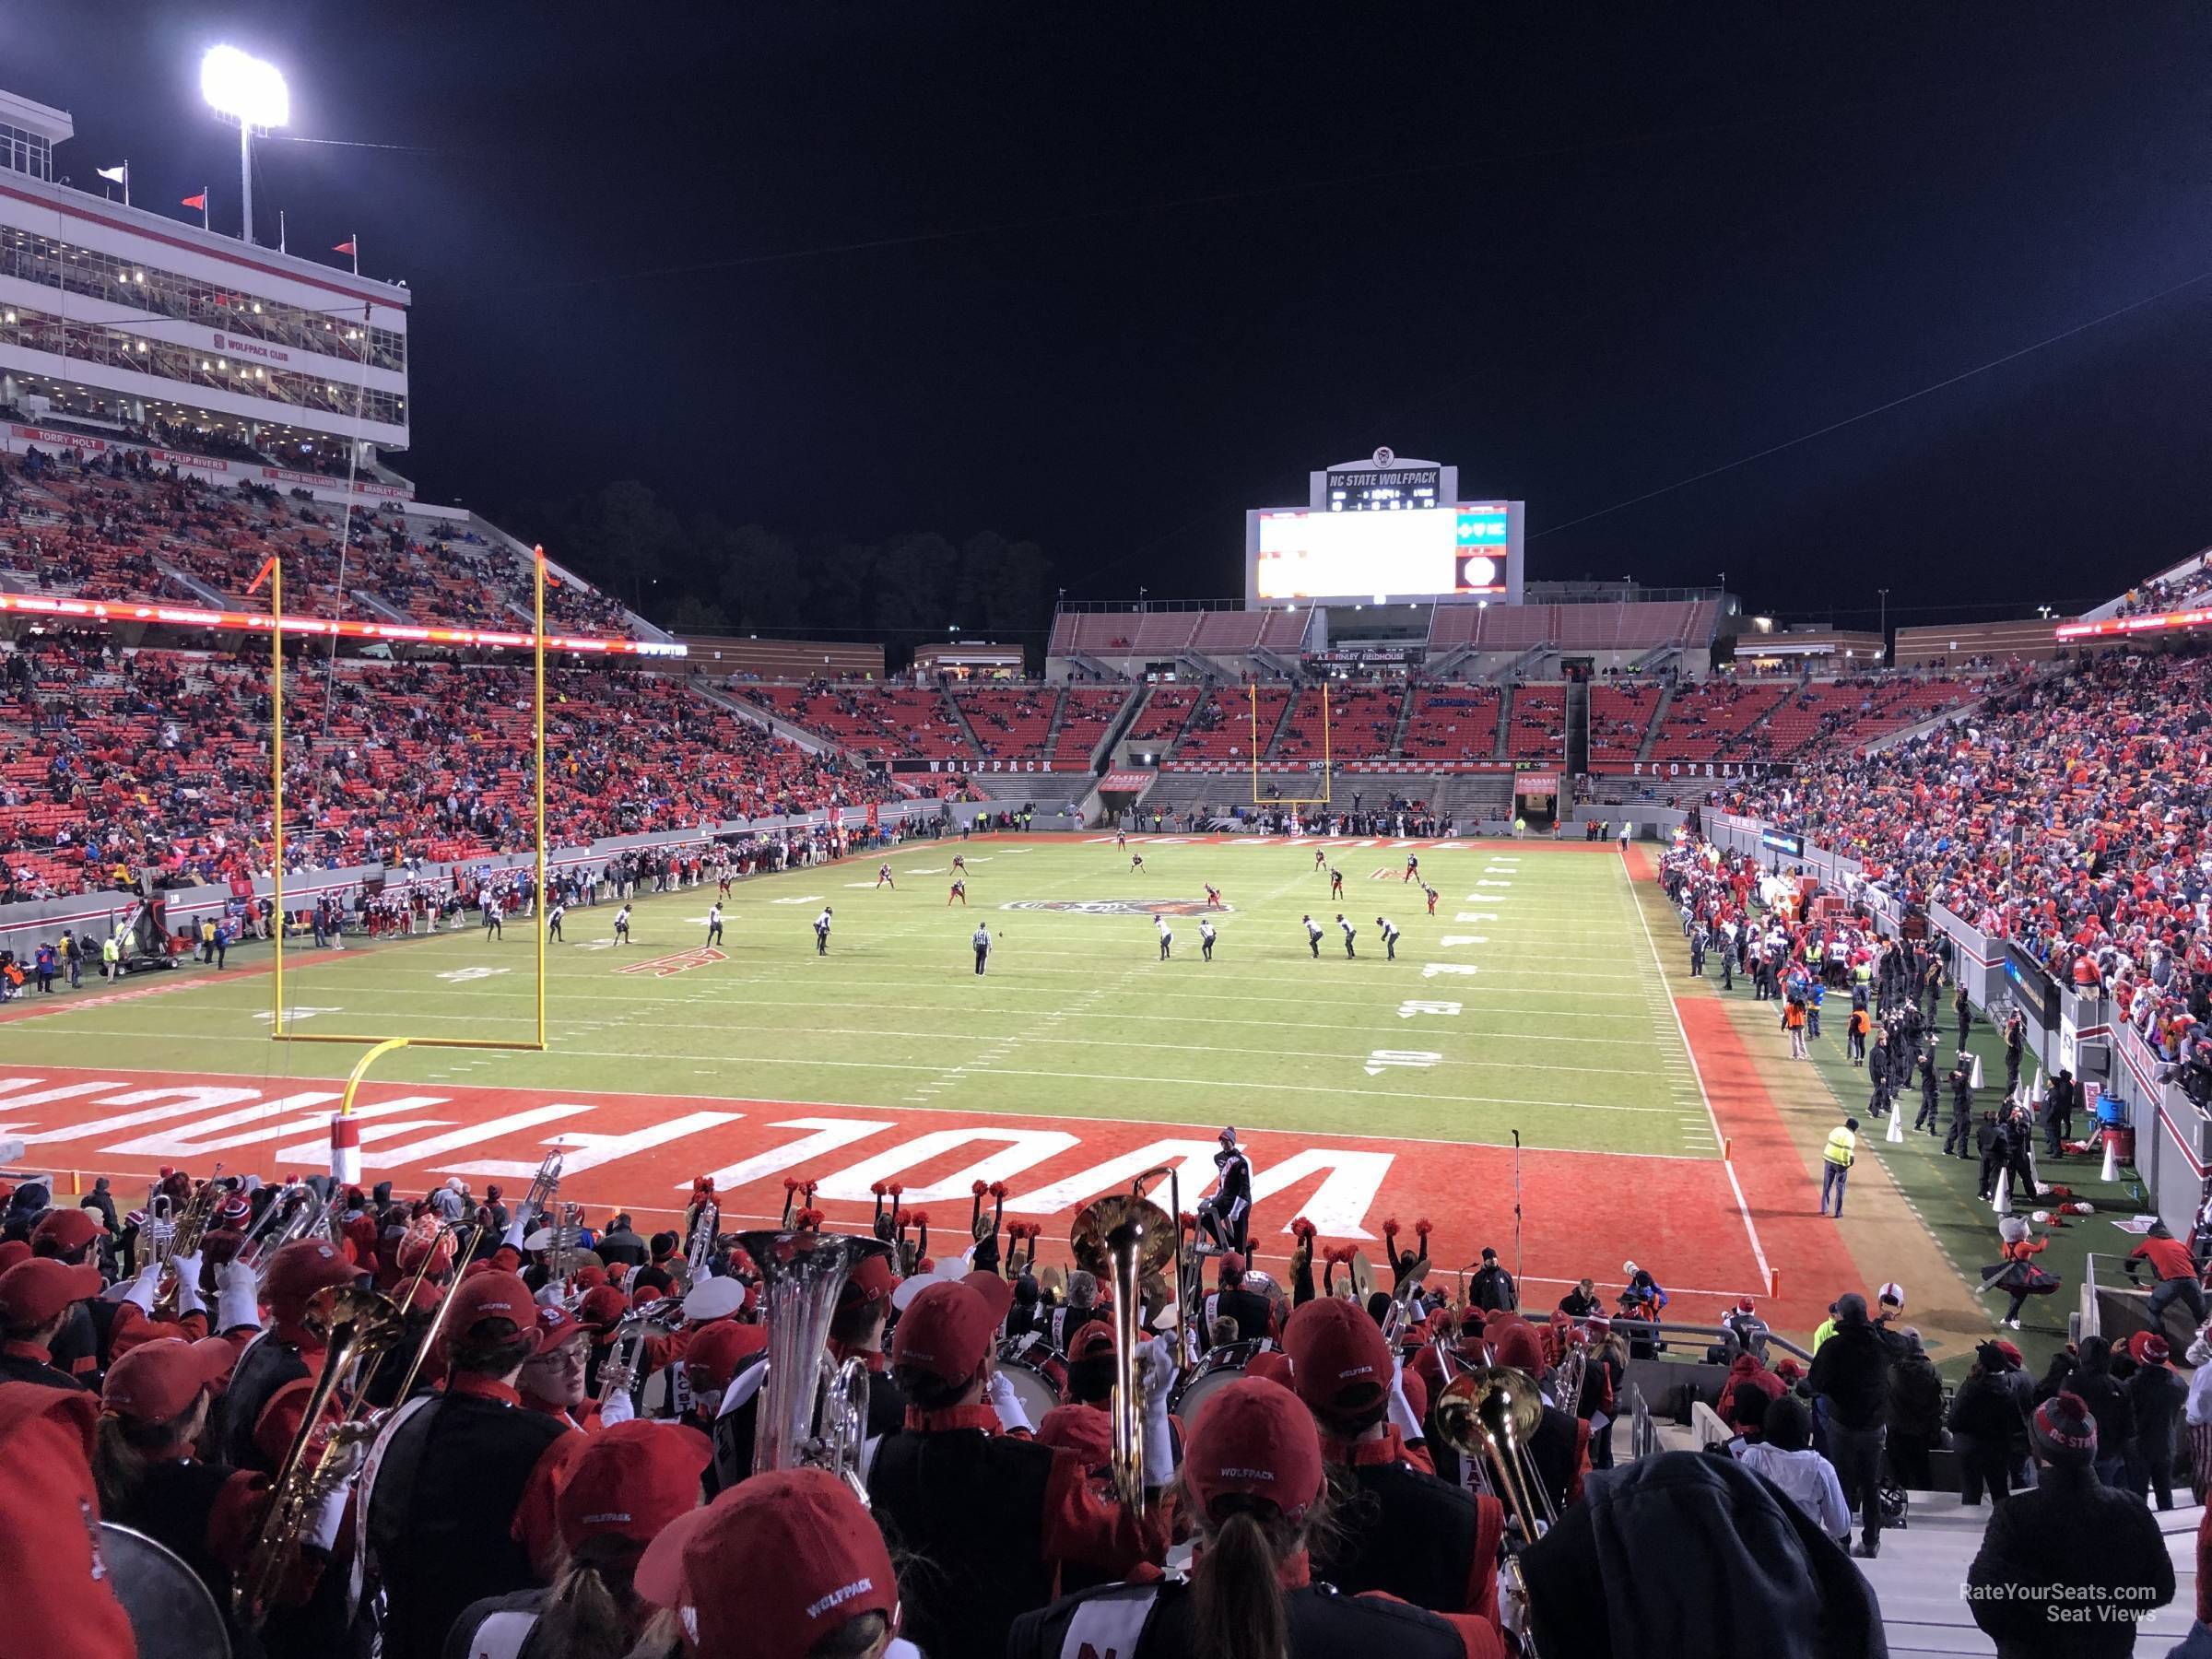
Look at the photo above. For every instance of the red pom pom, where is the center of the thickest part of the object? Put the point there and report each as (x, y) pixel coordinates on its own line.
(791, 1184)
(1423, 1228)
(921, 1218)
(811, 1219)
(1187, 1219)
(1304, 1228)
(978, 1190)
(997, 1189)
(901, 1219)
(881, 1189)
(896, 1189)
(1390, 1227)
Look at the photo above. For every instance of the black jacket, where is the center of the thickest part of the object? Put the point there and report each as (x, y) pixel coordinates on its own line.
(2106, 1397)
(1915, 1398)
(1851, 1371)
(1985, 1410)
(2157, 1397)
(2067, 1532)
(1324, 1625)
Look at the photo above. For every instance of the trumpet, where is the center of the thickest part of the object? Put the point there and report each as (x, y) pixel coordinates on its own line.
(544, 1185)
(157, 1232)
(703, 1224)
(187, 1232)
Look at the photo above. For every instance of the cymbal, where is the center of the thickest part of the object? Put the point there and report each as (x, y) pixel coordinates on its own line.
(1096, 1221)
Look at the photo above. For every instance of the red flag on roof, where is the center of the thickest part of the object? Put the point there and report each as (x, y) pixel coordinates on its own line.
(199, 201)
(344, 247)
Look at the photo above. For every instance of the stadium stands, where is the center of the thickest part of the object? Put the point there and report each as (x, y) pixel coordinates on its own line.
(1164, 633)
(1009, 723)
(1536, 725)
(158, 760)
(1708, 720)
(111, 531)
(1619, 716)
(876, 721)
(1362, 722)
(1842, 713)
(1223, 727)
(1165, 711)
(1635, 625)
(1451, 723)
(1087, 712)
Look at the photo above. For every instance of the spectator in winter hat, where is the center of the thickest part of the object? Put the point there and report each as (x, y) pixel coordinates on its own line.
(2068, 1542)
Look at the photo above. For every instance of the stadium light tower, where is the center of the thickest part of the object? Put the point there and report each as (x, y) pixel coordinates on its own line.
(253, 93)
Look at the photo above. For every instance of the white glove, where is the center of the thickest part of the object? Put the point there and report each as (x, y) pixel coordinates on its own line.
(321, 1531)
(1402, 1416)
(1006, 1402)
(517, 1228)
(618, 1407)
(548, 1294)
(189, 1300)
(140, 1292)
(237, 1298)
(1156, 1376)
(1512, 1612)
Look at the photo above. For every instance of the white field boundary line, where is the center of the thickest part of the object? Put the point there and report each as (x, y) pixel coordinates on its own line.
(1743, 1206)
(770, 1062)
(1320, 1136)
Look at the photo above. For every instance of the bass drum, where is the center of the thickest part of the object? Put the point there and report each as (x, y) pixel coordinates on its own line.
(1221, 1367)
(172, 1614)
(1037, 1372)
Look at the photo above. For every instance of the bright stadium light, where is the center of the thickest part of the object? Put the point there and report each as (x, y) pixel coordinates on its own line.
(253, 94)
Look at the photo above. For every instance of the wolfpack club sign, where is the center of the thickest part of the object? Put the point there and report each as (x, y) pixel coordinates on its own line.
(1123, 907)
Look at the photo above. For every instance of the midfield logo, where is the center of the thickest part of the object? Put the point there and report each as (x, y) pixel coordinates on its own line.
(1123, 907)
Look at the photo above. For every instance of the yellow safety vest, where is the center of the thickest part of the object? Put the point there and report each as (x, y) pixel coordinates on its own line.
(1841, 1147)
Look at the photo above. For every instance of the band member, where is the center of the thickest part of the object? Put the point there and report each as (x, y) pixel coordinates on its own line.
(36, 1301)
(714, 923)
(1225, 1216)
(456, 1477)
(1257, 1486)
(996, 1516)
(1312, 935)
(1414, 1537)
(959, 890)
(863, 1304)
(822, 930)
(622, 924)
(1252, 1314)
(552, 1381)
(625, 1487)
(290, 1348)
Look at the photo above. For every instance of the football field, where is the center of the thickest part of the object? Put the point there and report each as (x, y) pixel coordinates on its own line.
(1369, 1088)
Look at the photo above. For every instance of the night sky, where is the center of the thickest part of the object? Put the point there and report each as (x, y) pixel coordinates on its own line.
(1104, 276)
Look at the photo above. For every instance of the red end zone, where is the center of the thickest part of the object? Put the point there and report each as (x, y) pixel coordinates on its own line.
(1584, 1213)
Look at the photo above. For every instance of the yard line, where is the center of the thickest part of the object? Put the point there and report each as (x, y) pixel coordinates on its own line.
(1742, 1207)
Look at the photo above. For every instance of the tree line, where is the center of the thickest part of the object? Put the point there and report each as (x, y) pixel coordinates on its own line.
(701, 574)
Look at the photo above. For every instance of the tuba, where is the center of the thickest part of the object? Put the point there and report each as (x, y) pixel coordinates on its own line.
(1122, 1238)
(812, 1412)
(295, 1213)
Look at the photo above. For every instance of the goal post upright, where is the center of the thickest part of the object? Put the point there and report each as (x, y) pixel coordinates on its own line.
(378, 1044)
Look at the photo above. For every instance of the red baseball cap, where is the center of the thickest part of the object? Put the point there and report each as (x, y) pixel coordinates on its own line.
(33, 1292)
(590, 1279)
(630, 1481)
(1232, 1265)
(303, 1268)
(278, 1424)
(1337, 1355)
(157, 1381)
(70, 1230)
(871, 1280)
(490, 1296)
(603, 1307)
(60, 1597)
(997, 1294)
(714, 1354)
(946, 1331)
(1255, 1438)
(1093, 1341)
(556, 1325)
(13, 1251)
(1271, 1365)
(829, 1561)
(1518, 1347)
(1084, 1430)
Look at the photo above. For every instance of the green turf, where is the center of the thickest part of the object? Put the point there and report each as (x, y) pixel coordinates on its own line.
(1563, 1031)
(1944, 1192)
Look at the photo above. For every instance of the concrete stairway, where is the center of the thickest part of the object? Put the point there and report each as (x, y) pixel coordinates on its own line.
(1920, 1570)
(1398, 733)
(1650, 733)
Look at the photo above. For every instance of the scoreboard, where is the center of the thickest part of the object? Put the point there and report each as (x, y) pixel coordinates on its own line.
(1385, 529)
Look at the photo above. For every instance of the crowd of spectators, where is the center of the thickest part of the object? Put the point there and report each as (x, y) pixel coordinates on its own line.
(2067, 813)
(114, 763)
(2177, 589)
